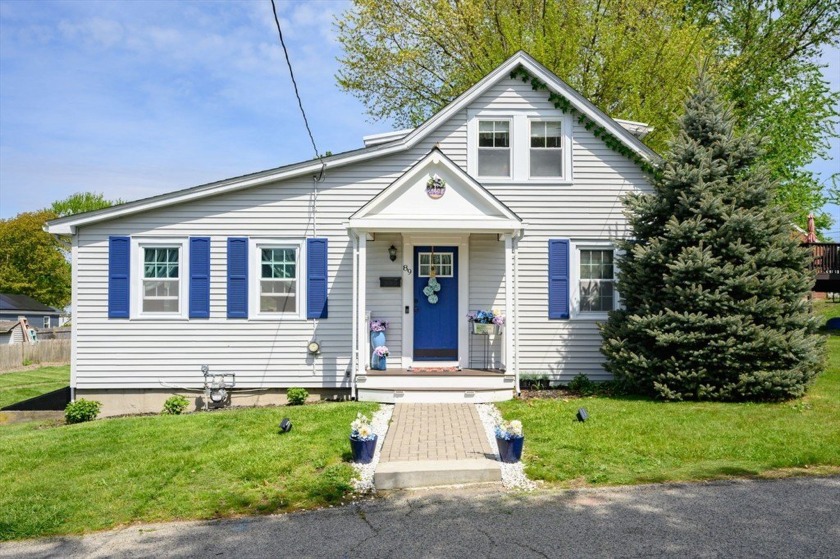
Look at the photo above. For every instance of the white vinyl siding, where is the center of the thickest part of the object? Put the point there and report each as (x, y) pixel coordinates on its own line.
(140, 354)
(487, 292)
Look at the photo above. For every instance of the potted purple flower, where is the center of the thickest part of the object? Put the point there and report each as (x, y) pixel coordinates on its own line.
(379, 361)
(362, 440)
(510, 439)
(486, 322)
(377, 337)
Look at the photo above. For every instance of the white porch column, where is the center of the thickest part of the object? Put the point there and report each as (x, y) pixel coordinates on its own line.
(507, 357)
(361, 300)
(516, 311)
(354, 348)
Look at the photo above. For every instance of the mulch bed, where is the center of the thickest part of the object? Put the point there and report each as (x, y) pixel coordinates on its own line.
(548, 394)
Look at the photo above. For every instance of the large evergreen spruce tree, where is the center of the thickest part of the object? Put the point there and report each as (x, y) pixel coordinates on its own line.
(713, 282)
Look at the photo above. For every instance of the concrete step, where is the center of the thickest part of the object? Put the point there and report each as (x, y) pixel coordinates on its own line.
(429, 473)
(432, 395)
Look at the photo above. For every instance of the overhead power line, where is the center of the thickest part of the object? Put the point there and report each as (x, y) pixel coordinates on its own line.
(294, 83)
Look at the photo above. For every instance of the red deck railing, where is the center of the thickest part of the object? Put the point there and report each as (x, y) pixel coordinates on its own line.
(826, 259)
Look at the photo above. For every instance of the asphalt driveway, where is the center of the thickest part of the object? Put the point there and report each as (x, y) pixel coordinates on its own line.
(774, 518)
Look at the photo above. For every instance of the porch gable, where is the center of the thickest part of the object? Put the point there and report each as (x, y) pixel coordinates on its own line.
(460, 203)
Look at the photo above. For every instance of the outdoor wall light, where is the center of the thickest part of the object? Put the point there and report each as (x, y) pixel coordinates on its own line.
(392, 253)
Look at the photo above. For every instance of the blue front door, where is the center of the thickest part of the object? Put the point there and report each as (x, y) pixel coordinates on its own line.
(436, 323)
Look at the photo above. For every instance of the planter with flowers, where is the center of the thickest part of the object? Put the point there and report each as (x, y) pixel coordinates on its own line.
(377, 340)
(362, 440)
(379, 360)
(510, 439)
(486, 322)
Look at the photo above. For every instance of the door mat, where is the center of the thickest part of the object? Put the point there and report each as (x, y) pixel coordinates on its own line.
(422, 370)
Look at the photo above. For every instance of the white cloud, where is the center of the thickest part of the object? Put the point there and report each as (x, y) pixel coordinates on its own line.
(136, 98)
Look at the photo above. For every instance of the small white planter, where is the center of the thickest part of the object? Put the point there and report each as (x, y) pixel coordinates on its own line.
(485, 329)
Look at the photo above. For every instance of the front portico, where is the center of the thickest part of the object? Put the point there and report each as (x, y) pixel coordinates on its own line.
(456, 253)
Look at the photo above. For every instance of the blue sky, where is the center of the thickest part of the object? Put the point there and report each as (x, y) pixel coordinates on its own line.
(141, 97)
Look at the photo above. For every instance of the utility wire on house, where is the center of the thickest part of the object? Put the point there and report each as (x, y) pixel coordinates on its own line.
(320, 177)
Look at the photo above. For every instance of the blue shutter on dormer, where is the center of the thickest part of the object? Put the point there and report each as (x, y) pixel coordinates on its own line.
(237, 277)
(316, 278)
(119, 255)
(199, 277)
(558, 278)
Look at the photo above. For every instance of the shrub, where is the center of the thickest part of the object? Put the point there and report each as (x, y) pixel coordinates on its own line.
(296, 396)
(533, 381)
(82, 410)
(582, 385)
(175, 405)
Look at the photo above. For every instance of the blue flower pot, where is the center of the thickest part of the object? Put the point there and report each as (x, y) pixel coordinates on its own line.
(510, 451)
(378, 363)
(376, 339)
(363, 450)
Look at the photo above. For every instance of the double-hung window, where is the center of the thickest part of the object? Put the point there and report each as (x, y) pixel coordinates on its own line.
(596, 280)
(278, 284)
(546, 152)
(494, 156)
(161, 283)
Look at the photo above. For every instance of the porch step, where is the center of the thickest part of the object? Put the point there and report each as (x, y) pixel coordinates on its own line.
(433, 395)
(429, 473)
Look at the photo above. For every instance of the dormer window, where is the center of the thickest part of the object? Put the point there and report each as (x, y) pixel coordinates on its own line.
(494, 148)
(519, 146)
(546, 155)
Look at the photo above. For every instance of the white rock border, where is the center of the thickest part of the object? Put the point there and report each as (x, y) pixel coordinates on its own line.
(379, 424)
(513, 475)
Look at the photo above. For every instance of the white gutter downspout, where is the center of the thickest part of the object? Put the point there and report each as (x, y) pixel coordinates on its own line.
(354, 349)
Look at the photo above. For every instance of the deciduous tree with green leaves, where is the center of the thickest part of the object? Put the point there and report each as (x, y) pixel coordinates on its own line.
(81, 202)
(31, 262)
(406, 59)
(713, 283)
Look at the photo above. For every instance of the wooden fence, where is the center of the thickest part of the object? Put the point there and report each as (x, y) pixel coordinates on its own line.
(13, 356)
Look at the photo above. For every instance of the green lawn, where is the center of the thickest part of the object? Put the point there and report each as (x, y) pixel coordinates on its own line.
(22, 385)
(634, 440)
(110, 472)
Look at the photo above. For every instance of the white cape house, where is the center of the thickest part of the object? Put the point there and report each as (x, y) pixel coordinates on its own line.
(500, 201)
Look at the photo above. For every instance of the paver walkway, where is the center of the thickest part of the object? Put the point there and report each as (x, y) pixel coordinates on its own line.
(435, 444)
(435, 432)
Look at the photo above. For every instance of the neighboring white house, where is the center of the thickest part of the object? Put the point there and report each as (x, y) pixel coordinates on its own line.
(241, 275)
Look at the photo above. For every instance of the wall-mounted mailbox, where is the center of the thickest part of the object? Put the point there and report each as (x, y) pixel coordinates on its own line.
(390, 282)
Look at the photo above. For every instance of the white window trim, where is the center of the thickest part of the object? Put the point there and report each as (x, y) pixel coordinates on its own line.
(520, 145)
(449, 275)
(574, 279)
(47, 322)
(136, 273)
(565, 150)
(511, 133)
(255, 274)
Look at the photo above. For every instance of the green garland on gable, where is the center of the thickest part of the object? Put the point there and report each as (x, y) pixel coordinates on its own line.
(597, 130)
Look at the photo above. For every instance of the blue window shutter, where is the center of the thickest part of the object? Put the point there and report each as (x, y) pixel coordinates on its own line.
(558, 278)
(316, 278)
(237, 277)
(199, 277)
(119, 255)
